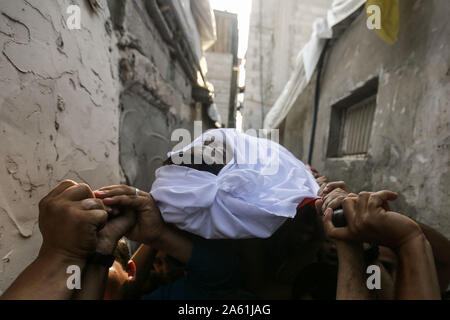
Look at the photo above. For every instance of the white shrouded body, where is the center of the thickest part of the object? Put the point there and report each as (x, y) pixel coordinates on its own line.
(259, 188)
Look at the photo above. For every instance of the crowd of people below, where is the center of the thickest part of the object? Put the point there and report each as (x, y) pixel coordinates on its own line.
(306, 258)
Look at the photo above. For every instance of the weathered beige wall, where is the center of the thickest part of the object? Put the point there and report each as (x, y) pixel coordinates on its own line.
(59, 115)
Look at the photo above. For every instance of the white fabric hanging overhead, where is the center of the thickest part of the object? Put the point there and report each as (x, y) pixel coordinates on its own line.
(308, 58)
(295, 85)
(259, 188)
(182, 9)
(323, 29)
(206, 22)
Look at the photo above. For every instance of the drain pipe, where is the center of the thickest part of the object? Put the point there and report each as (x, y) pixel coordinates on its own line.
(316, 101)
(261, 62)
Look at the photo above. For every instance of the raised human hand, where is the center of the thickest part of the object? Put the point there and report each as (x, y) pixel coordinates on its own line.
(149, 224)
(69, 219)
(369, 219)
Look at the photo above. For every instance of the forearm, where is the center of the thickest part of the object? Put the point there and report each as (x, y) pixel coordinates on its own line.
(417, 279)
(351, 283)
(44, 279)
(93, 283)
(175, 244)
(441, 252)
(95, 275)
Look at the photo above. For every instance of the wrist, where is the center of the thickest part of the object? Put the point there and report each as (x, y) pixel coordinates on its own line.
(155, 238)
(411, 245)
(60, 257)
(106, 246)
(414, 235)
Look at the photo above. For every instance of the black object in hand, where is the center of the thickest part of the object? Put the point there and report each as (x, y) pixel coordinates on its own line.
(372, 252)
(338, 218)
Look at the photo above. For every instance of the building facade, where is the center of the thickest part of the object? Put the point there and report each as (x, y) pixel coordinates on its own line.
(277, 34)
(223, 65)
(383, 119)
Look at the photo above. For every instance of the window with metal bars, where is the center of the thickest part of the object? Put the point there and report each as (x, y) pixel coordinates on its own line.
(352, 121)
(356, 128)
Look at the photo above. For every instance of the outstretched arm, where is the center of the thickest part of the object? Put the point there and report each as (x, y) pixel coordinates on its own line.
(45, 278)
(95, 275)
(440, 246)
(417, 279)
(369, 220)
(351, 284)
(207, 262)
(150, 228)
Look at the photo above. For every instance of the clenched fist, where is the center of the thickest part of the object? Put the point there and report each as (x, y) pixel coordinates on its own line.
(370, 219)
(149, 224)
(69, 219)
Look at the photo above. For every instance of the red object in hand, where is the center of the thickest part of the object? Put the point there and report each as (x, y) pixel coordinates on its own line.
(308, 202)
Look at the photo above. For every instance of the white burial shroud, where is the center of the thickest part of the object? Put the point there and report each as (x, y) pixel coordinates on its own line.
(259, 188)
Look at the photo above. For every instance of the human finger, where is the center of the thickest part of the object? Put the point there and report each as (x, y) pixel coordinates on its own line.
(381, 198)
(118, 191)
(318, 204)
(320, 193)
(61, 187)
(125, 201)
(97, 218)
(79, 192)
(350, 212)
(336, 185)
(363, 200)
(93, 204)
(336, 202)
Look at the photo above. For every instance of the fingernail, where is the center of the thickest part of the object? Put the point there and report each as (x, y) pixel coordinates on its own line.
(89, 204)
(100, 192)
(109, 209)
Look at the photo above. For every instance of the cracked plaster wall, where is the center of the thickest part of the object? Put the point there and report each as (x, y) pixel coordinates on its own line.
(157, 94)
(96, 105)
(59, 114)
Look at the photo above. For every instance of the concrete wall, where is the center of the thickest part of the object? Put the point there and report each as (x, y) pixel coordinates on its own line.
(285, 30)
(409, 150)
(220, 72)
(59, 115)
(157, 95)
(222, 60)
(96, 105)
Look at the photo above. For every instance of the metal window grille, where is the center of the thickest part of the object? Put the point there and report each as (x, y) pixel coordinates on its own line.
(356, 127)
